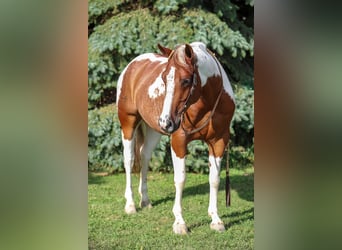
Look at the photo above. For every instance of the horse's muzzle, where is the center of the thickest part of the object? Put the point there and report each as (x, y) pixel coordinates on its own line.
(168, 125)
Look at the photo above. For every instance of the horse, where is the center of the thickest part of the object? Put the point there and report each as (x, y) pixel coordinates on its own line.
(184, 93)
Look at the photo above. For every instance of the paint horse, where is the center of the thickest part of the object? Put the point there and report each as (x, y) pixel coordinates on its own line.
(186, 94)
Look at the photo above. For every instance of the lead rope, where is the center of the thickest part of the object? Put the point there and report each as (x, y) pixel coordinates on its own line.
(212, 111)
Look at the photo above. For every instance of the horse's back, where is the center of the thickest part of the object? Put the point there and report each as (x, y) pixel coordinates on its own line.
(138, 88)
(138, 67)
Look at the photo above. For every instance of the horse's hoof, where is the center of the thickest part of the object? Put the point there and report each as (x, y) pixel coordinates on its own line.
(217, 226)
(130, 209)
(180, 229)
(145, 204)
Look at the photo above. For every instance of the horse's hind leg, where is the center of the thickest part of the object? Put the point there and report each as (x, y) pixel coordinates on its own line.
(128, 146)
(128, 142)
(151, 138)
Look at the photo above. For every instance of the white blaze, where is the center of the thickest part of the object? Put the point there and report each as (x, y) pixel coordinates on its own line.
(170, 88)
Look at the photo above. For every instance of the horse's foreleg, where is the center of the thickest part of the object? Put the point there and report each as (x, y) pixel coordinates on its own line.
(214, 181)
(128, 146)
(151, 138)
(179, 226)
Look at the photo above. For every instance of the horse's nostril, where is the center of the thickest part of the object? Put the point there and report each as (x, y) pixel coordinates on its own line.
(168, 123)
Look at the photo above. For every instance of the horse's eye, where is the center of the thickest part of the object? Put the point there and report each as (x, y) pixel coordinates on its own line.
(186, 82)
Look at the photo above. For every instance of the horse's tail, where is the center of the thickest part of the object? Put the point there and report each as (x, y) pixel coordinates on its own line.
(139, 141)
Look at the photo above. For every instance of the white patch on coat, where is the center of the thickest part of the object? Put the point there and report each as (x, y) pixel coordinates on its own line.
(207, 67)
(170, 88)
(226, 84)
(157, 88)
(148, 56)
(152, 57)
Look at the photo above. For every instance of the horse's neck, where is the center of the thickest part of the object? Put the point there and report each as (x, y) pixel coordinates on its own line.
(211, 91)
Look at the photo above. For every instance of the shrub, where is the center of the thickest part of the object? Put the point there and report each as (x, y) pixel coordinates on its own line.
(104, 140)
(242, 127)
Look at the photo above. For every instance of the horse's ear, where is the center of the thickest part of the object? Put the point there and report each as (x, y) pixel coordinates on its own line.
(165, 51)
(189, 54)
(188, 51)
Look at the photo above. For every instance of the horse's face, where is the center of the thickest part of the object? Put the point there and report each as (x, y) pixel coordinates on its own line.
(180, 77)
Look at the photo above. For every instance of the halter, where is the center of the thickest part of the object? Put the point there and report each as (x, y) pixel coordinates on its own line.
(193, 86)
(212, 111)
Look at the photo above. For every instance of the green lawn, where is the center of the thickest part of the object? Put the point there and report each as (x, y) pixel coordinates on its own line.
(110, 228)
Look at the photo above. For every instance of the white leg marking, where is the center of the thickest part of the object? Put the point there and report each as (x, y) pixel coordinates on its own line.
(150, 142)
(128, 146)
(214, 181)
(170, 87)
(179, 226)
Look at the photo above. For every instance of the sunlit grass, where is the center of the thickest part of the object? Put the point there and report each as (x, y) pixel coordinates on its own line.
(110, 228)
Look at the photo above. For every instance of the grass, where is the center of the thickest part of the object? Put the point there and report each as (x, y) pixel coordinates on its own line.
(110, 228)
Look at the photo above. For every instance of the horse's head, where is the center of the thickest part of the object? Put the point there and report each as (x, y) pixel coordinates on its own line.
(181, 81)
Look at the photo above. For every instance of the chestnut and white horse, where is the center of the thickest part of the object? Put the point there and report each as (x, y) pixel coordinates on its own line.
(186, 94)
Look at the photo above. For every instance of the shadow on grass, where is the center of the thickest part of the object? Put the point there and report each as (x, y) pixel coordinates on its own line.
(163, 200)
(239, 217)
(235, 218)
(95, 179)
(188, 191)
(242, 184)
